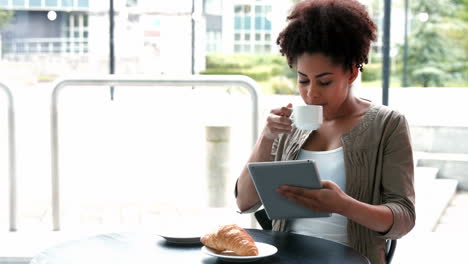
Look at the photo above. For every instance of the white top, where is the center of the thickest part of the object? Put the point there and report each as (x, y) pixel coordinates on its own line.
(330, 165)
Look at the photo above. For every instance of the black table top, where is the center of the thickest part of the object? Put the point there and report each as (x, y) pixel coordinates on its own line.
(150, 248)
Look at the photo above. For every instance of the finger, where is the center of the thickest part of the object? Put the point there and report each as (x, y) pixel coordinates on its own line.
(280, 131)
(311, 193)
(283, 111)
(282, 122)
(305, 201)
(326, 184)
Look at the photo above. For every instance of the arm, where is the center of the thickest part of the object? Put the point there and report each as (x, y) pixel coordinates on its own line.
(246, 194)
(277, 123)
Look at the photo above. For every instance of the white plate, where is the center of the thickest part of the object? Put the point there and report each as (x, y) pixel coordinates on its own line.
(264, 250)
(181, 236)
(182, 240)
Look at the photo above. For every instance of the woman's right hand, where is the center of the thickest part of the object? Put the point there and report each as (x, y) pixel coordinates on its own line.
(278, 122)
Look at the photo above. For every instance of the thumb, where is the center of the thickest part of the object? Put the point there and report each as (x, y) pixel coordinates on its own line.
(327, 184)
(289, 105)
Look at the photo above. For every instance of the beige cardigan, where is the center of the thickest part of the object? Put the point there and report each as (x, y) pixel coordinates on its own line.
(379, 171)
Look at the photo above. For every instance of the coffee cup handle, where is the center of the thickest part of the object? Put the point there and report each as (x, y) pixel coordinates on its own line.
(292, 119)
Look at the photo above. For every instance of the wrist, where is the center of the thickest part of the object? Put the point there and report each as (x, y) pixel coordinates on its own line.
(346, 206)
(266, 137)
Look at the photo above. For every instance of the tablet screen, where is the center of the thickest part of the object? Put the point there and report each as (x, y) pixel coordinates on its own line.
(268, 176)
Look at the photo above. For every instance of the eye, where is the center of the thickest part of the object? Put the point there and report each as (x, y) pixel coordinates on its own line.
(325, 83)
(303, 81)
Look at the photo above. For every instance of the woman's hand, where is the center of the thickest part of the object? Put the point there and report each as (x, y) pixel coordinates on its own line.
(330, 198)
(278, 122)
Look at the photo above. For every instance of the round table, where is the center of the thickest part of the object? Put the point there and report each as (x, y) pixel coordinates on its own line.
(149, 248)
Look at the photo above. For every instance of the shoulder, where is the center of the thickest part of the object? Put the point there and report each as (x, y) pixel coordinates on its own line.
(388, 117)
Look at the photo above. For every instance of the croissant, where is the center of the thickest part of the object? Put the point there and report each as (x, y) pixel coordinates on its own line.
(231, 237)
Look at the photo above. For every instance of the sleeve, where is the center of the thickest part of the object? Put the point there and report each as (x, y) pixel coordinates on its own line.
(255, 207)
(398, 179)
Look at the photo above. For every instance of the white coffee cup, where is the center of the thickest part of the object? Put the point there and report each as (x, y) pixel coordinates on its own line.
(307, 117)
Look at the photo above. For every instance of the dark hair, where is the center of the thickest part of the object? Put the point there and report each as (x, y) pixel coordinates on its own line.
(340, 29)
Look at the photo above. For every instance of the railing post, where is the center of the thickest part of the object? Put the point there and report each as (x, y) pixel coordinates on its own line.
(12, 158)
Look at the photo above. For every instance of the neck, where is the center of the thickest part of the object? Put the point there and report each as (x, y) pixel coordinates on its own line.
(352, 106)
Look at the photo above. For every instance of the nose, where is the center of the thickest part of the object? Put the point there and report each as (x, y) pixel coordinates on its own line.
(312, 92)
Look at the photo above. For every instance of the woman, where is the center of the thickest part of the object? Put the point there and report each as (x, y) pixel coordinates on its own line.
(364, 149)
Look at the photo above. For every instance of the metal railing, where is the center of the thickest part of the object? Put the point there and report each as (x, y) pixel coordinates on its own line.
(115, 80)
(12, 158)
(45, 45)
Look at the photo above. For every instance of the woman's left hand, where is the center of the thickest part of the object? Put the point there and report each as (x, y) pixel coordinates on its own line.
(330, 198)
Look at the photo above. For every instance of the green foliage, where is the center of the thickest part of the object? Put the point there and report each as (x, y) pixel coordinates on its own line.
(372, 72)
(435, 51)
(267, 69)
(5, 16)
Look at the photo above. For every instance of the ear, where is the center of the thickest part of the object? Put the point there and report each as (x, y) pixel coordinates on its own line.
(353, 74)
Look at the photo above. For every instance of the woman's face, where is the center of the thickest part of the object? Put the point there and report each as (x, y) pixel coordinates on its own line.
(323, 83)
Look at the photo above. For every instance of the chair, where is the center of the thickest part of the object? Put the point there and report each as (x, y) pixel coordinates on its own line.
(266, 224)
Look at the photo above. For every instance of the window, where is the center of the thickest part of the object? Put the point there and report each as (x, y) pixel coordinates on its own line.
(18, 3)
(67, 3)
(247, 23)
(252, 28)
(51, 3)
(237, 23)
(83, 3)
(35, 3)
(132, 3)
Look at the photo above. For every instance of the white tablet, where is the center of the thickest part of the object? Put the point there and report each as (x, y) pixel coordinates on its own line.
(268, 176)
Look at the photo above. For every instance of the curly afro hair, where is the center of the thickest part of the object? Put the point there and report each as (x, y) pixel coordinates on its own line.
(340, 29)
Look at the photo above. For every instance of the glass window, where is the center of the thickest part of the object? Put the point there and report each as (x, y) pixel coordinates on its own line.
(267, 24)
(247, 36)
(258, 10)
(267, 37)
(237, 23)
(131, 3)
(51, 3)
(247, 48)
(258, 23)
(85, 20)
(247, 22)
(85, 34)
(237, 48)
(83, 3)
(18, 3)
(267, 48)
(67, 3)
(3, 2)
(76, 21)
(66, 19)
(237, 9)
(237, 36)
(257, 36)
(35, 3)
(247, 9)
(258, 48)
